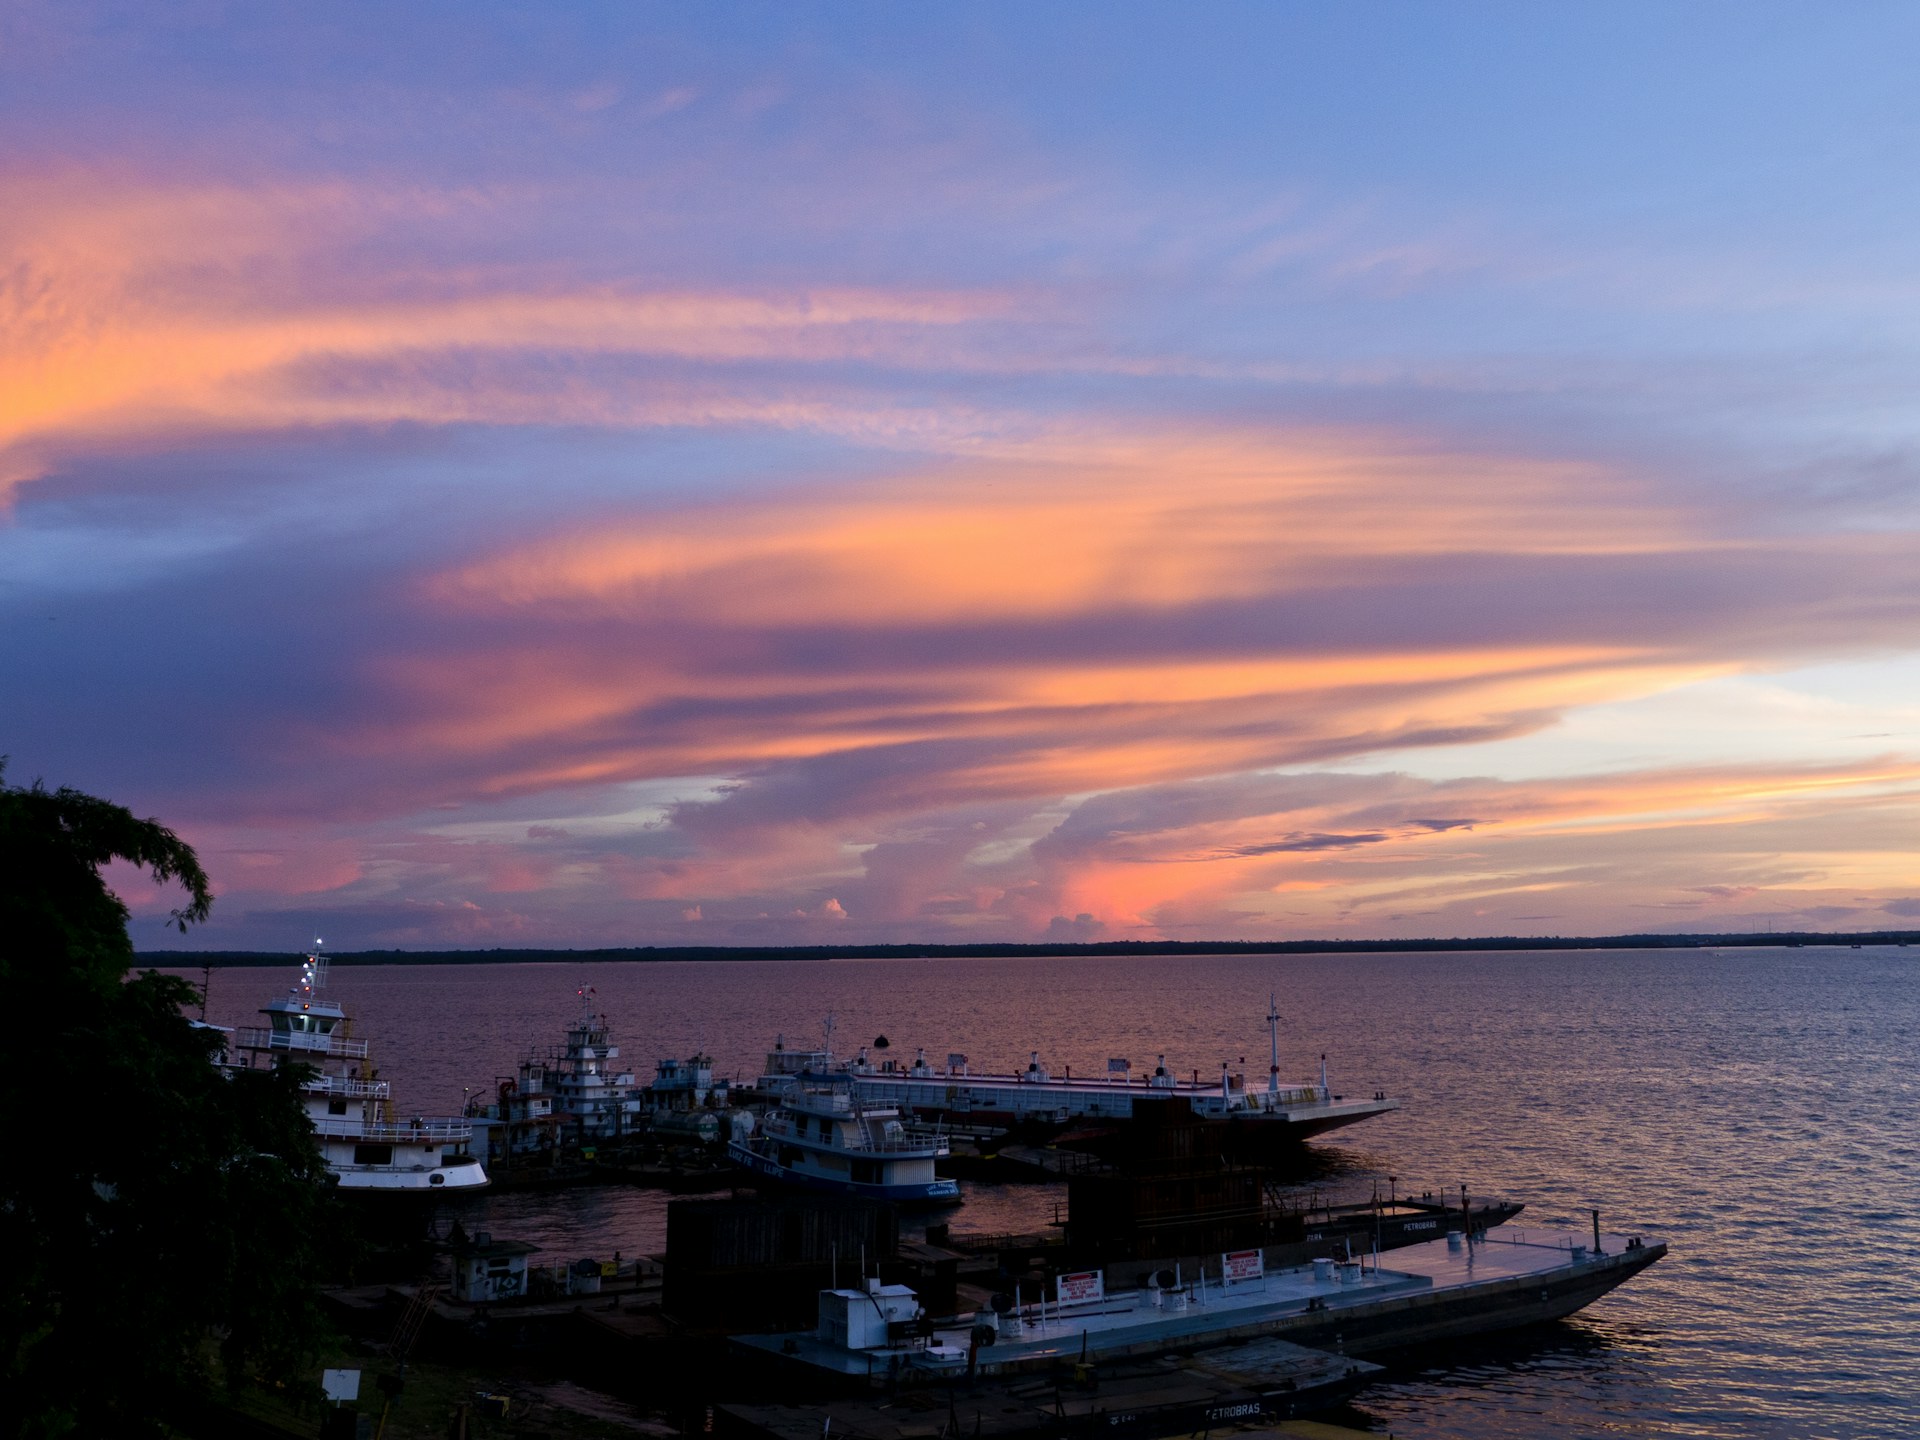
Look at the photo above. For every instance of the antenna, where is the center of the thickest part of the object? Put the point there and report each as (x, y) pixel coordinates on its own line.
(313, 972)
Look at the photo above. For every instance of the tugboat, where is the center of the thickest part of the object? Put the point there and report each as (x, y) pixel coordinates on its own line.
(366, 1147)
(825, 1137)
(690, 1105)
(598, 1099)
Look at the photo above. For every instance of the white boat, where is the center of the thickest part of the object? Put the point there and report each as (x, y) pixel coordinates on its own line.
(366, 1145)
(824, 1136)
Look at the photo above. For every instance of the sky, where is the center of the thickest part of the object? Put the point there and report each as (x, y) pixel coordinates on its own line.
(810, 474)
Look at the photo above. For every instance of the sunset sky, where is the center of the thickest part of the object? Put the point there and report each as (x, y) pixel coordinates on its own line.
(669, 474)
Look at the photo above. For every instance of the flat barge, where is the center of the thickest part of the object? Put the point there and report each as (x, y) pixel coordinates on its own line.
(1440, 1290)
(1036, 1097)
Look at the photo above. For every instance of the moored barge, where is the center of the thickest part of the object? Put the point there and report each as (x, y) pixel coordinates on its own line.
(1440, 1290)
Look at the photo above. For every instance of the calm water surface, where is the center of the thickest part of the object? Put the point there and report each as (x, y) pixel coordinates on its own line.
(1756, 1108)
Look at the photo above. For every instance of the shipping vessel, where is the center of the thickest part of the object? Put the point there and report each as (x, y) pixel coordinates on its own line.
(367, 1146)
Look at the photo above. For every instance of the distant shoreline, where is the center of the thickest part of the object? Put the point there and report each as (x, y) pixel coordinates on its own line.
(654, 954)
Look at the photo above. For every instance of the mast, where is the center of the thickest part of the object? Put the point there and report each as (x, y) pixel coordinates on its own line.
(313, 973)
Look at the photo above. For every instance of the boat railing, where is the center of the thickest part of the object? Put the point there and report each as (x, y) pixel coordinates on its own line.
(781, 1128)
(341, 1085)
(896, 1085)
(410, 1132)
(253, 1038)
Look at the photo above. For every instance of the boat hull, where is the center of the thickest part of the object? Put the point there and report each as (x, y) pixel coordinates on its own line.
(1008, 1102)
(1408, 1320)
(460, 1179)
(919, 1194)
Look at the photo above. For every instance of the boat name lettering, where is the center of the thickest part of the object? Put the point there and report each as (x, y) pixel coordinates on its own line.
(1234, 1412)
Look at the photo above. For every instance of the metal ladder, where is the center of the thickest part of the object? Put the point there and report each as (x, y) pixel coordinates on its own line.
(407, 1329)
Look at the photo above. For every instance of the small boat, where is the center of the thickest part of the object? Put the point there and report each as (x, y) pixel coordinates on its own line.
(823, 1136)
(368, 1149)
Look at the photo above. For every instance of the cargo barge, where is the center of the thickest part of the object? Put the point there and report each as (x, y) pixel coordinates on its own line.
(1441, 1290)
(1035, 1096)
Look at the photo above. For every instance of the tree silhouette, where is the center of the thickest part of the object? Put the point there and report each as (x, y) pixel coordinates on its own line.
(158, 1215)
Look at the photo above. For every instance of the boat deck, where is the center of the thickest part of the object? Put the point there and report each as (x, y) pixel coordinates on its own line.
(1498, 1255)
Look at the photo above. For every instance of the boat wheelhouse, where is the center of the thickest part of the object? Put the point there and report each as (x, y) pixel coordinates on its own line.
(366, 1146)
(824, 1136)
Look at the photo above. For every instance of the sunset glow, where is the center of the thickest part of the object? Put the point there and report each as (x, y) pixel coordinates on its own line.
(805, 479)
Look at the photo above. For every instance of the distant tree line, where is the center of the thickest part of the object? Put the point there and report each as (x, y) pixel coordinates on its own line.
(657, 953)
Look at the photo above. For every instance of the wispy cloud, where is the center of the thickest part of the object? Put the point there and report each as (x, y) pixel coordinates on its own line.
(133, 311)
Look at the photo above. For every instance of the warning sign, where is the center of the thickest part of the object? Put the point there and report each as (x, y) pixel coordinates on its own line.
(1079, 1288)
(1239, 1266)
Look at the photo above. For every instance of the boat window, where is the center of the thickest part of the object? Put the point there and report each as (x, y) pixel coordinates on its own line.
(336, 1107)
(373, 1154)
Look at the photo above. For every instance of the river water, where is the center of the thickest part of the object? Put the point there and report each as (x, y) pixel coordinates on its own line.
(1755, 1108)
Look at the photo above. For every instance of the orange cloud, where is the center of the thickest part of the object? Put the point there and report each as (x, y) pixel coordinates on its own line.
(1163, 606)
(130, 310)
(1088, 521)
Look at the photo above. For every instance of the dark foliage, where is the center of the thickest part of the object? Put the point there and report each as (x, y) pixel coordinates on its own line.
(155, 1213)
